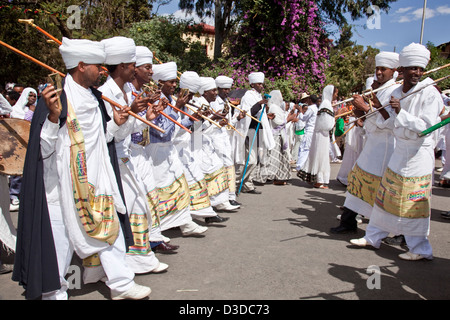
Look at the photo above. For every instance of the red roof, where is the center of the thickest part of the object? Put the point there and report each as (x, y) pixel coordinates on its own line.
(204, 28)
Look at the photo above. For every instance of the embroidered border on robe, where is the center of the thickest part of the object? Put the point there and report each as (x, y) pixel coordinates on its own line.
(153, 203)
(139, 228)
(231, 174)
(199, 195)
(407, 197)
(173, 198)
(96, 212)
(363, 184)
(217, 181)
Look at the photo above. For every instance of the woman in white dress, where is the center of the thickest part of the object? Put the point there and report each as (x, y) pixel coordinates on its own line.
(316, 170)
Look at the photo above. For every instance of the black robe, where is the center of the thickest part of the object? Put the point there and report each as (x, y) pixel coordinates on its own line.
(35, 262)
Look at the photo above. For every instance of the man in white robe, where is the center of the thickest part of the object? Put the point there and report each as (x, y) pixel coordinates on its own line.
(223, 144)
(121, 66)
(403, 201)
(83, 59)
(141, 162)
(213, 139)
(246, 160)
(169, 173)
(365, 177)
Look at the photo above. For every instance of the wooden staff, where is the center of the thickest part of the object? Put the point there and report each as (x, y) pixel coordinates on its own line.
(397, 82)
(343, 114)
(409, 94)
(247, 114)
(344, 133)
(168, 117)
(63, 75)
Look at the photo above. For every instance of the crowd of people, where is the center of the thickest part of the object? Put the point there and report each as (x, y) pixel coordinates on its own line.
(113, 163)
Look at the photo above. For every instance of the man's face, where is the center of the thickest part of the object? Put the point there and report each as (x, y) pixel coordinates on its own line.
(129, 71)
(18, 89)
(168, 87)
(92, 75)
(258, 86)
(384, 74)
(412, 75)
(210, 95)
(144, 73)
(223, 92)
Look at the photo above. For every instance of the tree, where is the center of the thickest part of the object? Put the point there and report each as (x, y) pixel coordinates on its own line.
(437, 60)
(225, 14)
(334, 11)
(164, 37)
(350, 67)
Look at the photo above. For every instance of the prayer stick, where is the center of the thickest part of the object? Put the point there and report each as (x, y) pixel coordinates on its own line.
(435, 127)
(63, 75)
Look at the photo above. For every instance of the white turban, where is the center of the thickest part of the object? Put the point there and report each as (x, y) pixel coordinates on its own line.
(165, 71)
(414, 55)
(190, 80)
(119, 50)
(387, 59)
(256, 77)
(74, 51)
(143, 56)
(206, 83)
(224, 82)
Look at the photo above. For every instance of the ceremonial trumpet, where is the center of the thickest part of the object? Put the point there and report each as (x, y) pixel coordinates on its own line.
(409, 94)
(367, 92)
(63, 75)
(247, 114)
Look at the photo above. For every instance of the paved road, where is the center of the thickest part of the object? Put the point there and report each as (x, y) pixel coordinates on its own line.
(278, 247)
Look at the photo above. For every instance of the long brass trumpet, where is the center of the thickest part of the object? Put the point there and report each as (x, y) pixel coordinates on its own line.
(368, 92)
(236, 107)
(409, 94)
(63, 75)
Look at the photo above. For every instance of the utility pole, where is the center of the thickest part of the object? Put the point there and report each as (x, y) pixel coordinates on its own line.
(423, 19)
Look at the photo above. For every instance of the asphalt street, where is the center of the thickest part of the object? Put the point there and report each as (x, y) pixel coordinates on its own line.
(278, 247)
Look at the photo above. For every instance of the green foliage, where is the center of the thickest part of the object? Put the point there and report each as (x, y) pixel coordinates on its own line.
(350, 67)
(164, 37)
(437, 60)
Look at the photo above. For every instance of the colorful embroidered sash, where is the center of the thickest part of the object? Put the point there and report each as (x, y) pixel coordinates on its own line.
(231, 174)
(362, 184)
(199, 195)
(173, 198)
(407, 197)
(97, 213)
(217, 181)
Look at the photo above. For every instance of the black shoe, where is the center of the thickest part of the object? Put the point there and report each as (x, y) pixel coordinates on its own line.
(234, 203)
(445, 215)
(395, 240)
(215, 219)
(254, 191)
(342, 230)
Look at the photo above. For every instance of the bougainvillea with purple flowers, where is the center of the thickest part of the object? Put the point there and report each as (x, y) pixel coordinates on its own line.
(286, 40)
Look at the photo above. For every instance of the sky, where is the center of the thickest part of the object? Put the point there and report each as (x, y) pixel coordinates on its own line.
(386, 31)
